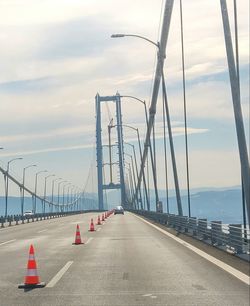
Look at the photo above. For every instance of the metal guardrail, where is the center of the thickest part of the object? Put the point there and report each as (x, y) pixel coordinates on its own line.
(233, 238)
(19, 219)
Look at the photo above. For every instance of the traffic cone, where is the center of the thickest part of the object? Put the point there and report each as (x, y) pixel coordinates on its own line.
(92, 227)
(98, 221)
(31, 279)
(78, 236)
(103, 219)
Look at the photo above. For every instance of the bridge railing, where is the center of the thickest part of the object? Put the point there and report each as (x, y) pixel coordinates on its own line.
(233, 238)
(19, 219)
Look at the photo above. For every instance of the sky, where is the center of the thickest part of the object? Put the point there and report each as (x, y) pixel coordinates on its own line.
(57, 54)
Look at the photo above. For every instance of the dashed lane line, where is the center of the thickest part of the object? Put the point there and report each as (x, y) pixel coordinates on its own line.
(236, 273)
(44, 230)
(9, 241)
(59, 275)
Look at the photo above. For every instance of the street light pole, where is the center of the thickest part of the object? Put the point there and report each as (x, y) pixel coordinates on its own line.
(6, 177)
(134, 180)
(134, 35)
(152, 111)
(153, 160)
(22, 202)
(64, 193)
(45, 183)
(58, 192)
(34, 206)
(136, 167)
(130, 183)
(52, 191)
(143, 174)
(68, 197)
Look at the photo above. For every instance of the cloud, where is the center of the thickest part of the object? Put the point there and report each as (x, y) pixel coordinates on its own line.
(58, 54)
(63, 132)
(47, 150)
(32, 85)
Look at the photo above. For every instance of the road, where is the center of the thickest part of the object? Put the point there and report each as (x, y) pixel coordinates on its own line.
(126, 262)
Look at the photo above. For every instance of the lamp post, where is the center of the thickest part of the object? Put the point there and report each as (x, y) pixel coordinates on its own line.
(136, 167)
(75, 198)
(71, 196)
(68, 196)
(133, 179)
(45, 185)
(52, 191)
(24, 171)
(143, 174)
(6, 177)
(58, 192)
(135, 35)
(130, 182)
(34, 206)
(152, 155)
(64, 192)
(161, 46)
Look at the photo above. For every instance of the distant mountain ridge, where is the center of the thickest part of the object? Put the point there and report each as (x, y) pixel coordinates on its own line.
(219, 204)
(14, 204)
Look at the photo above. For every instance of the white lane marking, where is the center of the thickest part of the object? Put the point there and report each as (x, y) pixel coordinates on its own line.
(59, 275)
(241, 276)
(44, 230)
(89, 240)
(9, 241)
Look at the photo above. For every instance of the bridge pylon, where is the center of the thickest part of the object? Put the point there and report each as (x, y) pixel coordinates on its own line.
(99, 149)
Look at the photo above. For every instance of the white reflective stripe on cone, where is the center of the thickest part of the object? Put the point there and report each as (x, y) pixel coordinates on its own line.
(31, 272)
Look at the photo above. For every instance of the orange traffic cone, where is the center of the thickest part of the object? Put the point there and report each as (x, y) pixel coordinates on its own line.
(98, 221)
(103, 219)
(31, 279)
(78, 236)
(92, 227)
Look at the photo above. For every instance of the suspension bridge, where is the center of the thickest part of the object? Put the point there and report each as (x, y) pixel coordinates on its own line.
(160, 252)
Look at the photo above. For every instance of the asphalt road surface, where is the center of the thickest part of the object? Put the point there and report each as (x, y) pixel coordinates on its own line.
(124, 262)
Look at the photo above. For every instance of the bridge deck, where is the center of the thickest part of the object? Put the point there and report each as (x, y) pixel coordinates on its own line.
(127, 262)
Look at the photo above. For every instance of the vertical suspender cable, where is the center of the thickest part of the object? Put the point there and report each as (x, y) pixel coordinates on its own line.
(185, 108)
(172, 151)
(165, 150)
(155, 169)
(148, 180)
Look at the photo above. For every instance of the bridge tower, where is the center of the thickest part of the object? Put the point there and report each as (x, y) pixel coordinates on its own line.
(99, 149)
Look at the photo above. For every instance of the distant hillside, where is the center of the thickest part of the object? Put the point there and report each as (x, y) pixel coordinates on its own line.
(223, 205)
(14, 204)
(217, 204)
